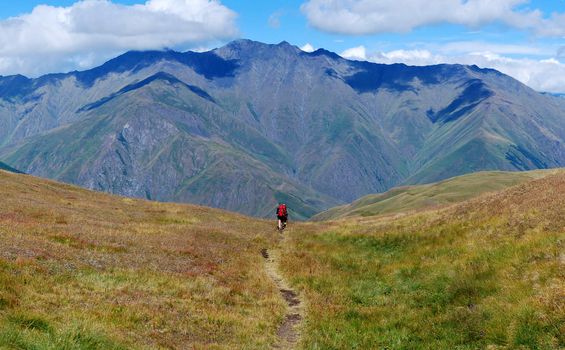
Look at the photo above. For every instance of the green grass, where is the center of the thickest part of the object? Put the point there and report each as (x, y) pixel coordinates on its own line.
(445, 192)
(23, 329)
(487, 273)
(16, 335)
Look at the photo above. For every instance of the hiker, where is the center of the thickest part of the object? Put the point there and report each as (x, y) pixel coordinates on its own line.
(282, 215)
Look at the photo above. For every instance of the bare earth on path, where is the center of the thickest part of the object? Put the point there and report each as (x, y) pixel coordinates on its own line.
(288, 332)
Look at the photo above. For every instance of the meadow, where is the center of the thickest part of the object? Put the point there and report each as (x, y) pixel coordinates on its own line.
(488, 273)
(86, 270)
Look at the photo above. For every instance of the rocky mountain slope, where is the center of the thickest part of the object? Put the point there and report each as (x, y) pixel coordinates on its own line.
(246, 125)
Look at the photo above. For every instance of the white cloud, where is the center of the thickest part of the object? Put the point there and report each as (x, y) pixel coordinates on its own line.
(355, 53)
(358, 17)
(308, 48)
(505, 49)
(541, 74)
(54, 38)
(406, 56)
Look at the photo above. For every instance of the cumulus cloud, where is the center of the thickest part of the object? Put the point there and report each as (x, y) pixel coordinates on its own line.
(540, 74)
(308, 48)
(53, 38)
(355, 17)
(355, 53)
(504, 49)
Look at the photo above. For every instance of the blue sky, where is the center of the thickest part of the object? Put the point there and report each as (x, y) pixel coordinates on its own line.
(525, 39)
(294, 27)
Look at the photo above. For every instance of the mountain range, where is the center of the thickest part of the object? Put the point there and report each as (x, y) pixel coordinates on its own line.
(249, 124)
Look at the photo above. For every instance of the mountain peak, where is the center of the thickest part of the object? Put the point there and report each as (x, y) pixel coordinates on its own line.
(248, 43)
(284, 43)
(243, 43)
(324, 52)
(248, 48)
(15, 85)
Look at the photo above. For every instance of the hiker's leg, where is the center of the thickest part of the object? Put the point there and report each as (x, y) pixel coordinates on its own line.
(280, 224)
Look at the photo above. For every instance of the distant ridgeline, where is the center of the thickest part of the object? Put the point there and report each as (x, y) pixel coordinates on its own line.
(247, 125)
(410, 198)
(8, 168)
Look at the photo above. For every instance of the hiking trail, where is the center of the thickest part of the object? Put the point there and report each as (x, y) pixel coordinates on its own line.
(288, 332)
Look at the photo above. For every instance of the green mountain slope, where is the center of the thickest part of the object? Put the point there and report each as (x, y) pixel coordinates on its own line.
(453, 190)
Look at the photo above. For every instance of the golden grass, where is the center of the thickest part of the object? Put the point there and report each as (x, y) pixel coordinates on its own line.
(80, 269)
(439, 194)
(486, 273)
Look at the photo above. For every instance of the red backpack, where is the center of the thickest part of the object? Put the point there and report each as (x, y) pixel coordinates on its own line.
(282, 210)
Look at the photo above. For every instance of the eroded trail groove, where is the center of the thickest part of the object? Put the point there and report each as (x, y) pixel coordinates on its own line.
(289, 330)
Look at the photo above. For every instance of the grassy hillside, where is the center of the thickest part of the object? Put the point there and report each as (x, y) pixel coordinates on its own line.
(487, 273)
(457, 189)
(84, 270)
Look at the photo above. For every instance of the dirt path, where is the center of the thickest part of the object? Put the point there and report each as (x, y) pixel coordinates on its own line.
(289, 330)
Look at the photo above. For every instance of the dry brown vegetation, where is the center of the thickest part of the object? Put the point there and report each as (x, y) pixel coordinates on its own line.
(87, 270)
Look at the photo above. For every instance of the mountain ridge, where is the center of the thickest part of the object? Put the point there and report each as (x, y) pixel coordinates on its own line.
(6, 167)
